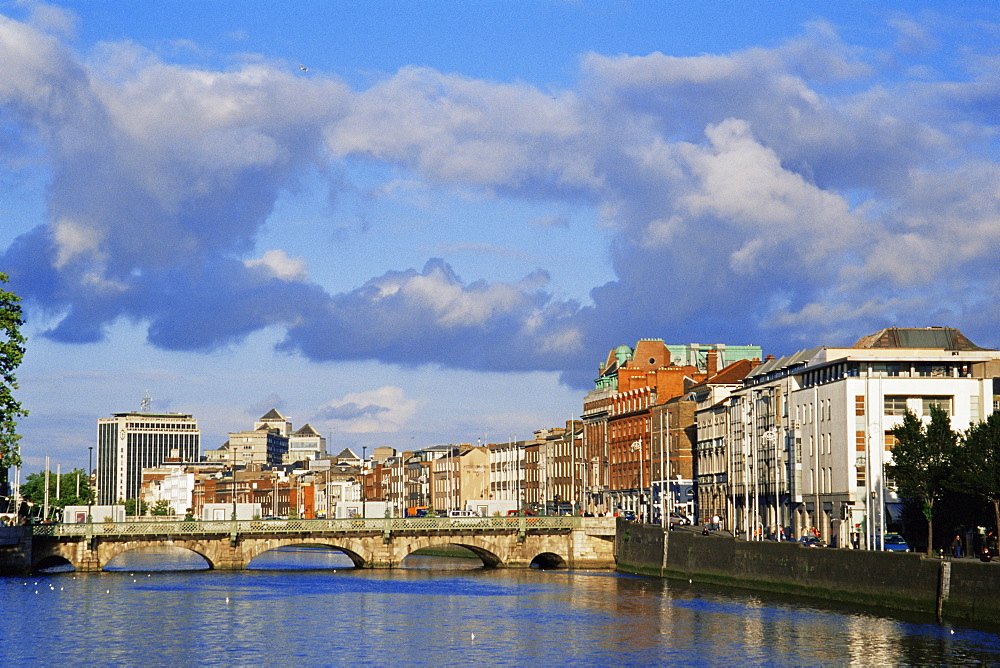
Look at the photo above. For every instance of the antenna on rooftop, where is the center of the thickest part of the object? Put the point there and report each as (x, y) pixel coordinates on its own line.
(145, 403)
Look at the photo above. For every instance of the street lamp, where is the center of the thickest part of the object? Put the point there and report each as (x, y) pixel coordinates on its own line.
(90, 489)
(637, 447)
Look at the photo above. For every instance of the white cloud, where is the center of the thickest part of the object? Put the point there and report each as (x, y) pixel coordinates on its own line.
(735, 189)
(276, 263)
(383, 410)
(73, 240)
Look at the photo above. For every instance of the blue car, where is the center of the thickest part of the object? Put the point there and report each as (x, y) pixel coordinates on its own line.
(893, 542)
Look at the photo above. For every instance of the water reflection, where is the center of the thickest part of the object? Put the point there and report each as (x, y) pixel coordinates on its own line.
(158, 559)
(301, 558)
(296, 557)
(424, 615)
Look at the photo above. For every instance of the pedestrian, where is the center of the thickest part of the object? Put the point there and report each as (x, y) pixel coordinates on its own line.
(956, 547)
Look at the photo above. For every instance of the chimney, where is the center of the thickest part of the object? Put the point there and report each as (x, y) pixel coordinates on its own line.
(712, 362)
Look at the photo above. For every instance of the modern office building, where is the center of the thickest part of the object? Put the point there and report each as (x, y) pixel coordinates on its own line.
(811, 433)
(305, 444)
(129, 442)
(264, 446)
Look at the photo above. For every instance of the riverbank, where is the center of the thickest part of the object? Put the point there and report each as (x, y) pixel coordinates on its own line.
(963, 589)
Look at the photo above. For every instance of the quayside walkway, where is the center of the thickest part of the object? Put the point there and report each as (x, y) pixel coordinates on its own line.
(511, 542)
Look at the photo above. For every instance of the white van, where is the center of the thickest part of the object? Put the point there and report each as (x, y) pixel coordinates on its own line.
(461, 513)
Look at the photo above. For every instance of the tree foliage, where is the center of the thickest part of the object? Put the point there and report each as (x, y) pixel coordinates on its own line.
(976, 466)
(922, 462)
(162, 507)
(11, 353)
(130, 507)
(33, 489)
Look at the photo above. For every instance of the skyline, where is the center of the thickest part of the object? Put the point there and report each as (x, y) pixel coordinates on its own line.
(420, 223)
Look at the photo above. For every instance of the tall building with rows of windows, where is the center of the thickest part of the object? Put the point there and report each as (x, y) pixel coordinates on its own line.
(129, 442)
(810, 434)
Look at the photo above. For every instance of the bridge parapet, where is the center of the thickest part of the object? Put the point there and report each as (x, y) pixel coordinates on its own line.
(351, 525)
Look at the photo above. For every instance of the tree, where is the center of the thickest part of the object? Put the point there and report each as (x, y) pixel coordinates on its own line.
(162, 507)
(977, 463)
(33, 489)
(11, 354)
(130, 507)
(922, 460)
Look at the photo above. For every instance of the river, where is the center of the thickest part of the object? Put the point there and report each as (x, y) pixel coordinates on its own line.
(307, 607)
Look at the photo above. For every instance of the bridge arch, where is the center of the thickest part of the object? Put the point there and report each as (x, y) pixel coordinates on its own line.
(548, 561)
(110, 550)
(51, 561)
(253, 549)
(486, 552)
(53, 554)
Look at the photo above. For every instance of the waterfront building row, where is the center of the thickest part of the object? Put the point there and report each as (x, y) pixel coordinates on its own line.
(765, 444)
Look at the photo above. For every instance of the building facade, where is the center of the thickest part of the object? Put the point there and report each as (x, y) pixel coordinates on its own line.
(129, 442)
(637, 421)
(305, 444)
(811, 432)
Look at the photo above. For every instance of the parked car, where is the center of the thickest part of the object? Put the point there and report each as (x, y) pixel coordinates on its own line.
(893, 542)
(811, 541)
(677, 518)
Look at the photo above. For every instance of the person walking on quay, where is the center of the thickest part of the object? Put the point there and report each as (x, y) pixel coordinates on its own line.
(956, 547)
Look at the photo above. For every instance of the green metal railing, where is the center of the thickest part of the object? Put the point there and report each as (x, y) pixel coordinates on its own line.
(351, 525)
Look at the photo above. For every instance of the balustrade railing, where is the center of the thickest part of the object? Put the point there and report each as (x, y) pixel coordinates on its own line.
(349, 525)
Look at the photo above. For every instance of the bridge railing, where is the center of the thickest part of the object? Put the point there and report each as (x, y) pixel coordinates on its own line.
(350, 525)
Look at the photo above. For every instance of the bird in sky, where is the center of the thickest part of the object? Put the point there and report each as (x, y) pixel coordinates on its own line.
(303, 68)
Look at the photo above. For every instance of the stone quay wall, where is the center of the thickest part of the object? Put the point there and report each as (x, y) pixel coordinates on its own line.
(964, 589)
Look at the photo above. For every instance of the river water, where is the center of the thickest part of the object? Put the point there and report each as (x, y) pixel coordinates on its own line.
(306, 607)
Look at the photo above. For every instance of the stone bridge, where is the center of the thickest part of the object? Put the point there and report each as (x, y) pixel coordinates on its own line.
(500, 542)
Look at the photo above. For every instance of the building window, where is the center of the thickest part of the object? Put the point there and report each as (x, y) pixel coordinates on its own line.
(890, 441)
(933, 370)
(944, 403)
(895, 404)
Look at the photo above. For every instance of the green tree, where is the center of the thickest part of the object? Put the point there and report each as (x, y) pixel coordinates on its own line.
(162, 507)
(130, 507)
(922, 460)
(977, 463)
(11, 354)
(33, 489)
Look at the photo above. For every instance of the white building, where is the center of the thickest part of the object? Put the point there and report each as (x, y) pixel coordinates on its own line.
(129, 442)
(811, 433)
(305, 444)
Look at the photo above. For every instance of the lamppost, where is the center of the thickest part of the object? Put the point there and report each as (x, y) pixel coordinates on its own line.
(363, 478)
(770, 437)
(90, 488)
(637, 447)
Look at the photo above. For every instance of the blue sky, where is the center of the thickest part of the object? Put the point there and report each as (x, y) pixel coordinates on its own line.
(410, 223)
